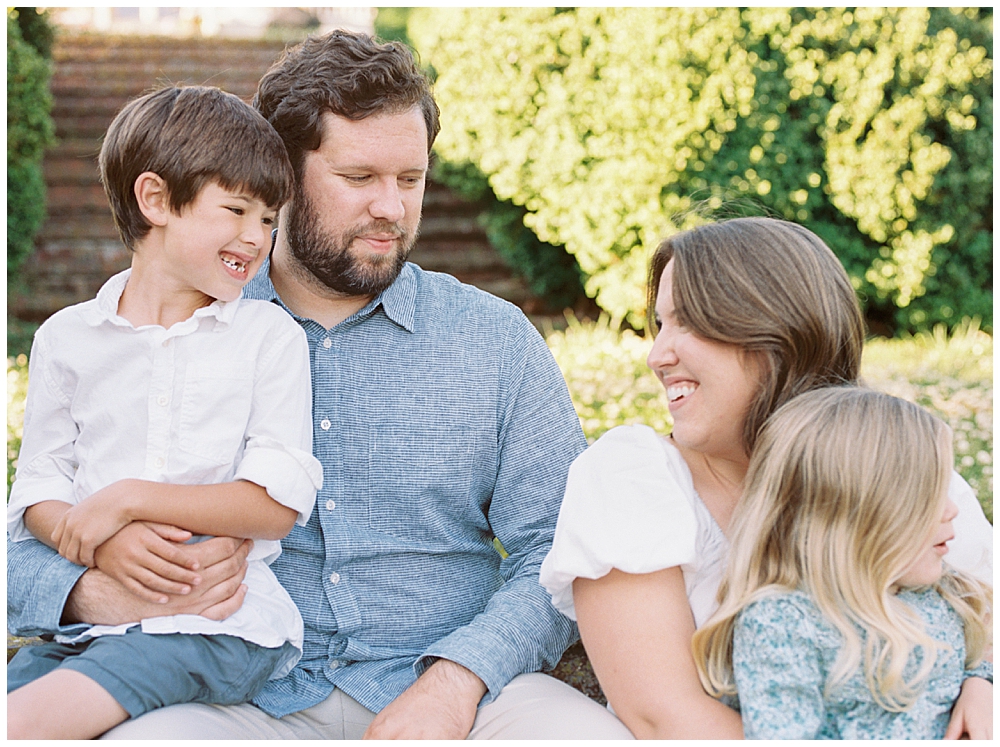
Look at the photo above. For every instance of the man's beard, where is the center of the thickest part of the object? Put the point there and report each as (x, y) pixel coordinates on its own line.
(328, 258)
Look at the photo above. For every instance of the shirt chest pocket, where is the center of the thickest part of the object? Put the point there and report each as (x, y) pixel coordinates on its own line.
(215, 410)
(420, 479)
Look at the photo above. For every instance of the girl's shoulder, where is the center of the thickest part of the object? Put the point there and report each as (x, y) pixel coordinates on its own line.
(780, 607)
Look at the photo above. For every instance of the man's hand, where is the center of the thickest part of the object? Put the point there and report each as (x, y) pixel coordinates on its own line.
(98, 599)
(441, 704)
(150, 560)
(93, 521)
(972, 714)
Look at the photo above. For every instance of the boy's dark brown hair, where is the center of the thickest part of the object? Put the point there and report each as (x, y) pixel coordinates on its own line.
(190, 136)
(348, 74)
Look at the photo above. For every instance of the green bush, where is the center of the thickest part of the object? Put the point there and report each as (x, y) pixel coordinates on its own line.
(551, 273)
(606, 371)
(29, 131)
(611, 127)
(950, 375)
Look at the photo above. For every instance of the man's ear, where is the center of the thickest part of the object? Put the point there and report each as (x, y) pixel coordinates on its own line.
(153, 197)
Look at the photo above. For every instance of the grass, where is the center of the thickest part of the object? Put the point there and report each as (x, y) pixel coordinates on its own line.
(951, 375)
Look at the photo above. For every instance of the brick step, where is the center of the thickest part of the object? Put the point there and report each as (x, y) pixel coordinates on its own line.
(81, 46)
(125, 80)
(94, 76)
(465, 257)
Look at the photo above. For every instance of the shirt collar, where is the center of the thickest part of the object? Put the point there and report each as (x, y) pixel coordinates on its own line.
(398, 301)
(105, 308)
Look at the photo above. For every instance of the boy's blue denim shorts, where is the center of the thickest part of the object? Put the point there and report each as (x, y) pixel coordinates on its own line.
(146, 671)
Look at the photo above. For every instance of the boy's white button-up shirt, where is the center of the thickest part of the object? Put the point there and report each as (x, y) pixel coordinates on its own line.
(224, 395)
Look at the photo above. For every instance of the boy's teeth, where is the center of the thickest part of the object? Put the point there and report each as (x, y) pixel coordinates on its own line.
(682, 390)
(238, 266)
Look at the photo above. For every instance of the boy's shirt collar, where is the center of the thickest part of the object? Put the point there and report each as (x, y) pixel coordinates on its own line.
(398, 301)
(105, 308)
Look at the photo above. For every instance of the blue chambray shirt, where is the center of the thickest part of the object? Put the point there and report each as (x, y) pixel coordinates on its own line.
(441, 420)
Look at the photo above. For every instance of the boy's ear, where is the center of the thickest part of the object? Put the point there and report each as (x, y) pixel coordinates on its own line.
(152, 197)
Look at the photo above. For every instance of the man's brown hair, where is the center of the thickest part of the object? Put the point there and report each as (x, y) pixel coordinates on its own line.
(348, 74)
(190, 136)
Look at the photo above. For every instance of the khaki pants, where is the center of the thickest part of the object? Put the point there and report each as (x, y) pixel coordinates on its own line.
(532, 706)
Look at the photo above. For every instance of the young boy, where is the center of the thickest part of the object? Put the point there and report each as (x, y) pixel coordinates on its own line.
(167, 399)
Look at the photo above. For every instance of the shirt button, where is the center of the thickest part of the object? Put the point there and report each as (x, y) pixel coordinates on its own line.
(166, 343)
(330, 505)
(161, 401)
(324, 424)
(160, 461)
(334, 578)
(334, 664)
(327, 342)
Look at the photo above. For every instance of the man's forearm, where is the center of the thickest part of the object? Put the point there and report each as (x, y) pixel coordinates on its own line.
(441, 704)
(97, 599)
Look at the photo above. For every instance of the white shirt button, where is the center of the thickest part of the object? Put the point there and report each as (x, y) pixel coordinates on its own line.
(162, 401)
(166, 343)
(327, 342)
(334, 578)
(330, 505)
(324, 424)
(334, 664)
(160, 461)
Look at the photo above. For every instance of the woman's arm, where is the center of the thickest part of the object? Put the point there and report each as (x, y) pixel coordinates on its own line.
(637, 630)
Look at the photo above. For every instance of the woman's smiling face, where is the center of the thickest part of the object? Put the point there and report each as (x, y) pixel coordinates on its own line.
(709, 384)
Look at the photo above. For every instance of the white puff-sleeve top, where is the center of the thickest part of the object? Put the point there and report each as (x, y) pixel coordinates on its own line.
(630, 504)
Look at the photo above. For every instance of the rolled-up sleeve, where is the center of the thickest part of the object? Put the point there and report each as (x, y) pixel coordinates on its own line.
(519, 630)
(46, 462)
(39, 581)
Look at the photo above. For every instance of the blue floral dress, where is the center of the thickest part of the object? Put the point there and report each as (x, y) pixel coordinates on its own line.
(784, 649)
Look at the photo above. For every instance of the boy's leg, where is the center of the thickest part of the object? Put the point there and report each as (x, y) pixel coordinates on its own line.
(62, 705)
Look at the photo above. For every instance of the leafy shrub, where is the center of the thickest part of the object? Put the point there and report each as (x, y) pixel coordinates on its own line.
(952, 376)
(29, 131)
(606, 371)
(871, 126)
(551, 273)
(17, 389)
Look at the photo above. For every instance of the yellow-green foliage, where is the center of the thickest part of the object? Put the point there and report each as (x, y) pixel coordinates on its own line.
(951, 376)
(610, 384)
(873, 127)
(17, 388)
(607, 376)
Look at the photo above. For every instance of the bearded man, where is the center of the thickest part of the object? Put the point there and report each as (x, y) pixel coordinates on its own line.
(442, 423)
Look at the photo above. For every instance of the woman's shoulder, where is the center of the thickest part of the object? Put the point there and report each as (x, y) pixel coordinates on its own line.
(630, 468)
(635, 451)
(628, 505)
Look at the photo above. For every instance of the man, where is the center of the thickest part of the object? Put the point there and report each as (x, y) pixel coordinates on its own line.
(441, 421)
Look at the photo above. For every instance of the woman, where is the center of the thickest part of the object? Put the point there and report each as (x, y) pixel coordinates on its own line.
(749, 313)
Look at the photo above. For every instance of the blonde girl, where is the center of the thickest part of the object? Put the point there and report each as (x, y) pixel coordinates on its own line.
(838, 618)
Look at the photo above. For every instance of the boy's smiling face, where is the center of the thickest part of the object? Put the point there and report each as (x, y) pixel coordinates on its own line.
(216, 244)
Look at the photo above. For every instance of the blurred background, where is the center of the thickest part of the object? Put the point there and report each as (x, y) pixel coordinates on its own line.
(573, 140)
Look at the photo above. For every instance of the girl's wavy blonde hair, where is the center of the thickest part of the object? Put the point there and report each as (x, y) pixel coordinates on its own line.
(844, 490)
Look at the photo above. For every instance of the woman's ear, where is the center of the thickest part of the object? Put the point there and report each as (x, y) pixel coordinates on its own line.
(153, 198)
